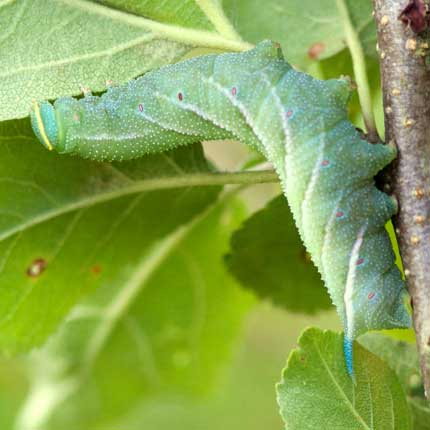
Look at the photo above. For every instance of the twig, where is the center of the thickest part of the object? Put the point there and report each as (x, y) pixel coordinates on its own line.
(215, 13)
(360, 73)
(406, 89)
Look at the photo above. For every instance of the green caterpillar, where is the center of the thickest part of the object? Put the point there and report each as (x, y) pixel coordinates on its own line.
(299, 123)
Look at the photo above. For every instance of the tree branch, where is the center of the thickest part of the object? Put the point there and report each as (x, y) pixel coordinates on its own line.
(406, 89)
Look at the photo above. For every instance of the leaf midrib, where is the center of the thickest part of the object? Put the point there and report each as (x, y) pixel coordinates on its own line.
(339, 389)
(176, 33)
(156, 30)
(121, 302)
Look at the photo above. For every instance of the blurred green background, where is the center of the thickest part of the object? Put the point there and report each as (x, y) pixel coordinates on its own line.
(243, 396)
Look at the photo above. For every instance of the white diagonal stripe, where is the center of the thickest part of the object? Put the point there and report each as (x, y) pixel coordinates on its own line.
(314, 176)
(327, 232)
(350, 280)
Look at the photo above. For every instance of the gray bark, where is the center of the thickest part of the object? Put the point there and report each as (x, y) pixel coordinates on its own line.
(406, 89)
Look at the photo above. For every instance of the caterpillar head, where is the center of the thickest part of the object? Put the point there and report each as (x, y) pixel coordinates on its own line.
(44, 123)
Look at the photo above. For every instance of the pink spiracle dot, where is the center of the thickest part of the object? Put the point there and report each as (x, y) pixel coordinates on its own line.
(180, 97)
(371, 295)
(359, 261)
(289, 113)
(234, 91)
(339, 214)
(140, 107)
(325, 163)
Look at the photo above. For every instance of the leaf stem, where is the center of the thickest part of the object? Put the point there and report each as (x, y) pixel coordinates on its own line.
(360, 73)
(213, 10)
(188, 36)
(177, 181)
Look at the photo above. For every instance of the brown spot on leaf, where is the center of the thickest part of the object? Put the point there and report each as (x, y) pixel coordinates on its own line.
(96, 269)
(315, 51)
(37, 267)
(415, 16)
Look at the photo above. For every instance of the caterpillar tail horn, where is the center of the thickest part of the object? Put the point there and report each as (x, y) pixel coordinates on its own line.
(348, 355)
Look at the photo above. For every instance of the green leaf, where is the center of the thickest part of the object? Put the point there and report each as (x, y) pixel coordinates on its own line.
(402, 357)
(268, 257)
(317, 392)
(186, 13)
(421, 413)
(53, 48)
(169, 338)
(64, 219)
(307, 30)
(13, 389)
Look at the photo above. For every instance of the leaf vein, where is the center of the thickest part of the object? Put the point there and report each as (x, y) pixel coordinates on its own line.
(339, 389)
